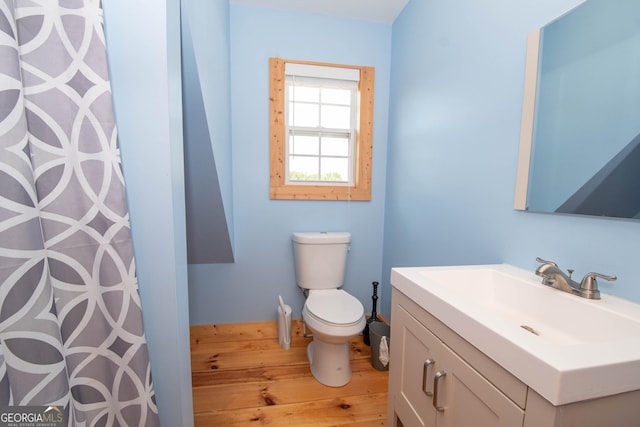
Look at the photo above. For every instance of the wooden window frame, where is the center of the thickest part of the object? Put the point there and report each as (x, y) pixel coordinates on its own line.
(279, 189)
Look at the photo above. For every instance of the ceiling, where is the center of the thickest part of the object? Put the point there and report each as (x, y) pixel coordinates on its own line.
(369, 10)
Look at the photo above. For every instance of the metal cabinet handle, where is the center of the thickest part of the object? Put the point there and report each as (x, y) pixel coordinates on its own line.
(425, 373)
(436, 382)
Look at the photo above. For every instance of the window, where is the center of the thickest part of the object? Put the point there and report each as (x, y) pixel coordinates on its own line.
(321, 130)
(320, 124)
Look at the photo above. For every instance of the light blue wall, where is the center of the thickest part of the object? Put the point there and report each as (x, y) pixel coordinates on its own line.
(207, 131)
(143, 44)
(247, 290)
(209, 33)
(457, 86)
(206, 29)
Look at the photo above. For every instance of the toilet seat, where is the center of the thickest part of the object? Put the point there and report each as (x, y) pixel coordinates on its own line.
(334, 307)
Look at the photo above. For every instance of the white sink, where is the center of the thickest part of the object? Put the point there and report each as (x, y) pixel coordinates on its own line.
(565, 347)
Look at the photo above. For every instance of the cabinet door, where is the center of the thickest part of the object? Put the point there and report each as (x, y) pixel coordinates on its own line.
(411, 381)
(467, 399)
(464, 397)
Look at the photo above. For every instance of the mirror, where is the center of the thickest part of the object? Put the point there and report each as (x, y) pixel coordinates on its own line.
(580, 135)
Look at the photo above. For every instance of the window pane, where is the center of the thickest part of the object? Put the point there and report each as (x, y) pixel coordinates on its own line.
(336, 117)
(305, 93)
(303, 168)
(299, 144)
(336, 96)
(335, 146)
(334, 169)
(306, 115)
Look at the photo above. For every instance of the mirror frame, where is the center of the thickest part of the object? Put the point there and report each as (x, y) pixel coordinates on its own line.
(527, 121)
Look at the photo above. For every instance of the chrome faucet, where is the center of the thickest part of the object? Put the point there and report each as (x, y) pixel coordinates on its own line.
(556, 278)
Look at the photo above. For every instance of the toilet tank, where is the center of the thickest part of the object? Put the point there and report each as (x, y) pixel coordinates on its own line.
(320, 259)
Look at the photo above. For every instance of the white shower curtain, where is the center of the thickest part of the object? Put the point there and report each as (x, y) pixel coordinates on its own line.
(71, 332)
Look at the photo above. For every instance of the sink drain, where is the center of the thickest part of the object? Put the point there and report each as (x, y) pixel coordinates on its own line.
(529, 329)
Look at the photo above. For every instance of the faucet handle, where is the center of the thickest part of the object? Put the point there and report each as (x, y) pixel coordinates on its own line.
(589, 285)
(540, 260)
(543, 269)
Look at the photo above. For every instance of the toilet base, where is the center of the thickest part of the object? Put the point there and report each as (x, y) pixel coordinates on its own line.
(329, 362)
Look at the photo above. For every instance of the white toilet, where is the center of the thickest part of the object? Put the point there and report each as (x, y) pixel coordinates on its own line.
(332, 315)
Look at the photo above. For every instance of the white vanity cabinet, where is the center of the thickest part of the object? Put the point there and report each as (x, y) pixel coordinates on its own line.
(436, 378)
(431, 385)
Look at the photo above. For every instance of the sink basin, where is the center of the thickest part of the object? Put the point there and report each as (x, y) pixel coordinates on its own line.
(565, 347)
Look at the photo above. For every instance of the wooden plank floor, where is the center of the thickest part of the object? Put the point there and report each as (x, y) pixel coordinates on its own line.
(242, 377)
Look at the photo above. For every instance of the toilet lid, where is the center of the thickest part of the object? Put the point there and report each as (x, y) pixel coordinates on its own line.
(335, 306)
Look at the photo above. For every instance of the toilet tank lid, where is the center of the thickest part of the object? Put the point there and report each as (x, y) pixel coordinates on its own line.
(322, 238)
